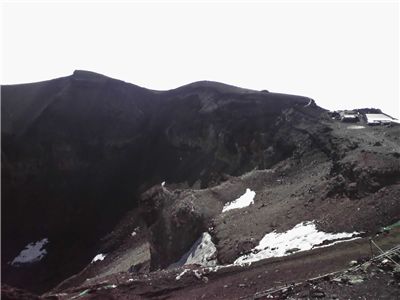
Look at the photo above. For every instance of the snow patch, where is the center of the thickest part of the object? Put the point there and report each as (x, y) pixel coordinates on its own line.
(202, 253)
(355, 127)
(33, 252)
(99, 257)
(243, 201)
(302, 237)
(309, 102)
(178, 277)
(337, 242)
(135, 231)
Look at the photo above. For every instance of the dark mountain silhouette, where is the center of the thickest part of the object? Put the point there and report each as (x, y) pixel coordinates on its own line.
(76, 151)
(84, 156)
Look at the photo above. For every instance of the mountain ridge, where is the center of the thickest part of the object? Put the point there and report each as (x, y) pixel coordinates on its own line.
(84, 158)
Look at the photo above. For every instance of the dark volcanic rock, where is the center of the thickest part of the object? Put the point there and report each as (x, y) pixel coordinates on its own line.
(12, 293)
(77, 151)
(83, 159)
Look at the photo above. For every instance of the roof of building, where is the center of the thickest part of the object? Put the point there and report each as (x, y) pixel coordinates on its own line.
(371, 118)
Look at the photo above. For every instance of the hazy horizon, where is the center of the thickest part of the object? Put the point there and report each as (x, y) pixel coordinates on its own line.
(331, 52)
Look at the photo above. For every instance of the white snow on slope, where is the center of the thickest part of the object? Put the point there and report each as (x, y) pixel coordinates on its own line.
(201, 253)
(178, 277)
(33, 252)
(309, 103)
(99, 257)
(245, 200)
(303, 236)
(355, 127)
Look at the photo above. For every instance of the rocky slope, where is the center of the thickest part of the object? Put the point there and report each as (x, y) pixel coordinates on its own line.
(99, 166)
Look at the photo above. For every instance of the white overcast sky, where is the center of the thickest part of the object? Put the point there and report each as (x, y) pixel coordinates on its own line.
(343, 55)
